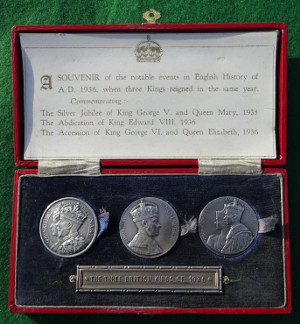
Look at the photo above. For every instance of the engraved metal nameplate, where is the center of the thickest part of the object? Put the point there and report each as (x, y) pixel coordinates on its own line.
(149, 279)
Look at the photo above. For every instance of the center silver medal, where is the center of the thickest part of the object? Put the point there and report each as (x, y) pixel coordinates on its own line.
(149, 227)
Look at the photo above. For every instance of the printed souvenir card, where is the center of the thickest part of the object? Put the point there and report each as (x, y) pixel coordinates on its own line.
(156, 95)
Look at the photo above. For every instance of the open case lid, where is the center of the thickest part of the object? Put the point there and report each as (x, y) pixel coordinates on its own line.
(163, 92)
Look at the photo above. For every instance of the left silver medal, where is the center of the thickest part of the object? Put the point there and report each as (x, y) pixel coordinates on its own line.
(68, 227)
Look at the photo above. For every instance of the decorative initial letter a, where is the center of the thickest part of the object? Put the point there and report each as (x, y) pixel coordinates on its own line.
(46, 81)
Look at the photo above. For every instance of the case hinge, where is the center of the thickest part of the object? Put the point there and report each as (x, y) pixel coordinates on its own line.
(69, 167)
(219, 166)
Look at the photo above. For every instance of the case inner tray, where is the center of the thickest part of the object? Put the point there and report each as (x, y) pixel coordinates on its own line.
(42, 279)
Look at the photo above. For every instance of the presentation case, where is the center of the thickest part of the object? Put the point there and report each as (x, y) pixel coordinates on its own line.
(183, 124)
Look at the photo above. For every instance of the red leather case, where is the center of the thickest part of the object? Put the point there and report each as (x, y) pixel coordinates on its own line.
(147, 167)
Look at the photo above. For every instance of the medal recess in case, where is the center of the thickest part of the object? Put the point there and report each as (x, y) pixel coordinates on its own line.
(154, 184)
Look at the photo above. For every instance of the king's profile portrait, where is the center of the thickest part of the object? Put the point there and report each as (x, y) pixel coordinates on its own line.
(145, 216)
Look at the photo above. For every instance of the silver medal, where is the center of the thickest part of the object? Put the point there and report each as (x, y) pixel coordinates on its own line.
(68, 227)
(149, 227)
(228, 226)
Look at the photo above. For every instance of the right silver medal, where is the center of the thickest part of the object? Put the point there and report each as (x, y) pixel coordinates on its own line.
(228, 226)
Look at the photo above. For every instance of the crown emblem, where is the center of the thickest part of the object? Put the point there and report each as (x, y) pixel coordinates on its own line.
(148, 51)
(73, 213)
(144, 210)
(234, 209)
